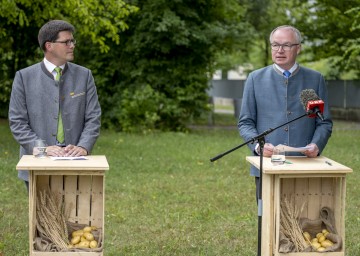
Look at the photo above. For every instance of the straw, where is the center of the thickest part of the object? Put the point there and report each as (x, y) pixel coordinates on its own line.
(51, 218)
(289, 224)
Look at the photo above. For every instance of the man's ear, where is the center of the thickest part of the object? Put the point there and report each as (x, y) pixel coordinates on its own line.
(48, 46)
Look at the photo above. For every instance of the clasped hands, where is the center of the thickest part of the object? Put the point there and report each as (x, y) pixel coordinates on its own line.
(68, 151)
(313, 150)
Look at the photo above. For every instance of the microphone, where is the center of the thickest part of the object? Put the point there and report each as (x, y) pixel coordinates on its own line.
(313, 105)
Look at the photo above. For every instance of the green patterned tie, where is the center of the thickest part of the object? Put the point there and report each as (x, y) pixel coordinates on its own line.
(60, 131)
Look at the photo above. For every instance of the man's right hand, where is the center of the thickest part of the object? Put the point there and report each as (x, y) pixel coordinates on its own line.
(55, 151)
(268, 149)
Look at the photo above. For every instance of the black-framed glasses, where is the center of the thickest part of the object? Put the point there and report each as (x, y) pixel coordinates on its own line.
(286, 47)
(67, 42)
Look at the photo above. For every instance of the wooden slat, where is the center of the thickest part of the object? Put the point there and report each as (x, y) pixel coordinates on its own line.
(327, 192)
(57, 184)
(70, 196)
(35, 253)
(94, 163)
(300, 165)
(84, 199)
(32, 208)
(301, 195)
(287, 188)
(339, 211)
(42, 182)
(97, 201)
(314, 199)
(277, 210)
(311, 254)
(267, 224)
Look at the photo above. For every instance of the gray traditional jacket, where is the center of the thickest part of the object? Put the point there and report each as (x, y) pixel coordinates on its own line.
(34, 107)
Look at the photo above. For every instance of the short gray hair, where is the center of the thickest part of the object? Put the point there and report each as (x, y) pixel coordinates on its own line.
(295, 30)
(49, 31)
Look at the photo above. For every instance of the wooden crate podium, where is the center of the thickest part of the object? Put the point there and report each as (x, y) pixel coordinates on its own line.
(81, 184)
(317, 181)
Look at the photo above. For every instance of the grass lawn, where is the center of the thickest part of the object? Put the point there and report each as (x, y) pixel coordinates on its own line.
(164, 196)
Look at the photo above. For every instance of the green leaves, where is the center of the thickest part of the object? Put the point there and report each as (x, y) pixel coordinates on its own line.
(332, 30)
(96, 22)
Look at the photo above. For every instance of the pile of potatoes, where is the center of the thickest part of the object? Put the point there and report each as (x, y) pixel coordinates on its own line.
(320, 242)
(83, 238)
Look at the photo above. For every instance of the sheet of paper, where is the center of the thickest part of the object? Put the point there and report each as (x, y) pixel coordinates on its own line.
(292, 149)
(68, 158)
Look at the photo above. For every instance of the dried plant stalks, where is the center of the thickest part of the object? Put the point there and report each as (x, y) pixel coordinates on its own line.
(51, 218)
(289, 224)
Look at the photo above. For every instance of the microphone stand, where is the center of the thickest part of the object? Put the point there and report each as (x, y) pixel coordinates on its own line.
(261, 140)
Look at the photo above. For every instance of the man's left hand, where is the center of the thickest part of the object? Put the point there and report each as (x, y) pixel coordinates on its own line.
(313, 151)
(71, 150)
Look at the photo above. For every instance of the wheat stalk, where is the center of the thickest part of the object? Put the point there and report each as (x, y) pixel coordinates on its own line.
(51, 218)
(289, 224)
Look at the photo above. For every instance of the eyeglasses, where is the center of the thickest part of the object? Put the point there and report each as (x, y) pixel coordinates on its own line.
(286, 47)
(67, 42)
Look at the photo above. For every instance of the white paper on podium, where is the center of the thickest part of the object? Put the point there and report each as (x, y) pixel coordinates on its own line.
(292, 149)
(68, 158)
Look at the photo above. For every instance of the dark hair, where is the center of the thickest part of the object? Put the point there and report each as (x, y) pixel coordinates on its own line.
(49, 32)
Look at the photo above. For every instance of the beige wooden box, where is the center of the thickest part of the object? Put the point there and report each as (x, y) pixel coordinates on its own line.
(81, 184)
(310, 180)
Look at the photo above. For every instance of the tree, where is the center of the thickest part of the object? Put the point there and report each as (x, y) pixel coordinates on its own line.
(98, 22)
(331, 32)
(254, 51)
(164, 62)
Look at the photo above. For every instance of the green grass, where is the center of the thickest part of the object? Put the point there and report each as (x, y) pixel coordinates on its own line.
(164, 196)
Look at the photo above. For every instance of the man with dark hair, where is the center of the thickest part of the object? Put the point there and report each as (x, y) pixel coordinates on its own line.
(55, 100)
(49, 32)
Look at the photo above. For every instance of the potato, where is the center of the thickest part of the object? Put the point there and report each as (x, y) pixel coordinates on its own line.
(83, 244)
(87, 229)
(75, 240)
(83, 238)
(79, 232)
(326, 243)
(314, 240)
(88, 236)
(321, 239)
(93, 244)
(320, 249)
(93, 228)
(315, 245)
(318, 235)
(325, 231)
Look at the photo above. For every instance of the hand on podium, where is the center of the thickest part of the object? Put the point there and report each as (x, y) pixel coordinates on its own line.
(313, 150)
(69, 150)
(268, 149)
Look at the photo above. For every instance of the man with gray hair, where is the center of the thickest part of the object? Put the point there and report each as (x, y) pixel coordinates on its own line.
(272, 97)
(55, 100)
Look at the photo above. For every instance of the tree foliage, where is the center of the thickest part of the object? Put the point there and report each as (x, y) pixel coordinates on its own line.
(152, 59)
(97, 23)
(164, 62)
(331, 31)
